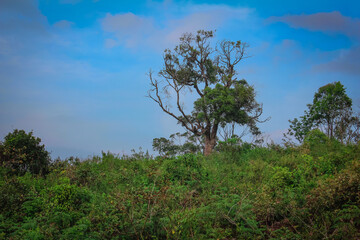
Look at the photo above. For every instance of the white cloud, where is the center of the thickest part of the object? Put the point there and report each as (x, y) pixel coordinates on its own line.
(128, 28)
(136, 31)
(204, 17)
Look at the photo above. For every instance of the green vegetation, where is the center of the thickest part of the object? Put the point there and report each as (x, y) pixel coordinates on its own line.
(311, 191)
(330, 111)
(21, 152)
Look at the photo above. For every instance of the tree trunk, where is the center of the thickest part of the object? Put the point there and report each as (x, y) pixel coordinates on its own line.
(209, 145)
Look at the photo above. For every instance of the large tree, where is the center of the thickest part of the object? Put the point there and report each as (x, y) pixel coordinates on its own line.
(331, 112)
(209, 72)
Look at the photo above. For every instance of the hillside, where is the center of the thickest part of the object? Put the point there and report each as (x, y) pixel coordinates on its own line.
(310, 191)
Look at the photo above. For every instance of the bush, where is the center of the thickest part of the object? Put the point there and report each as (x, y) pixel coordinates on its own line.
(21, 152)
(315, 137)
(342, 188)
(187, 169)
(12, 195)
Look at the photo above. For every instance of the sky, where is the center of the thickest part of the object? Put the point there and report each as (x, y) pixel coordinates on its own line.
(75, 71)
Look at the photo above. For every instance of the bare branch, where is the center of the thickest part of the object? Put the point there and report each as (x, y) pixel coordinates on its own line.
(230, 54)
(155, 84)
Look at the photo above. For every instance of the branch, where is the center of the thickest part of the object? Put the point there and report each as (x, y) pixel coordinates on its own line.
(155, 84)
(231, 54)
(259, 112)
(177, 90)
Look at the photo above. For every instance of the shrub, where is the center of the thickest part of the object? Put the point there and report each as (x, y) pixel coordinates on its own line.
(21, 152)
(282, 177)
(12, 195)
(333, 193)
(315, 137)
(186, 169)
(66, 197)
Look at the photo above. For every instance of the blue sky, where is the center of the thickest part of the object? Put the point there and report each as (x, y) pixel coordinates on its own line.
(74, 71)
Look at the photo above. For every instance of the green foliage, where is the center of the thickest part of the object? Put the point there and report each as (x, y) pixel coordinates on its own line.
(21, 152)
(226, 105)
(210, 72)
(164, 146)
(281, 178)
(188, 143)
(329, 104)
(65, 197)
(234, 144)
(185, 169)
(241, 192)
(343, 188)
(315, 137)
(331, 111)
(12, 195)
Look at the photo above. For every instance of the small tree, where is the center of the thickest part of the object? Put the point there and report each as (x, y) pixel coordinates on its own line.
(210, 72)
(348, 129)
(186, 143)
(22, 153)
(331, 111)
(164, 146)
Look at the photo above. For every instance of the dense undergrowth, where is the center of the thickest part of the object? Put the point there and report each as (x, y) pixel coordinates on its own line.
(307, 192)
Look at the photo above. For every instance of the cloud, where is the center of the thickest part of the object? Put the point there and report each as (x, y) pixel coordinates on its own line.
(128, 27)
(347, 61)
(21, 17)
(134, 30)
(327, 22)
(63, 24)
(19, 7)
(110, 43)
(206, 17)
(22, 29)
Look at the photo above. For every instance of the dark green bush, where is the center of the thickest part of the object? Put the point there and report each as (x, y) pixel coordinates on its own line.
(12, 195)
(333, 193)
(186, 168)
(66, 197)
(21, 152)
(315, 137)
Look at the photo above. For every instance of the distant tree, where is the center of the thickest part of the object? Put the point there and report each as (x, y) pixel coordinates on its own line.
(178, 143)
(331, 112)
(195, 66)
(348, 129)
(299, 128)
(22, 152)
(164, 146)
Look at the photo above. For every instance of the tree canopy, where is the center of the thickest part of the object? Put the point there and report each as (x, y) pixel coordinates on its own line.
(22, 152)
(331, 112)
(196, 66)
